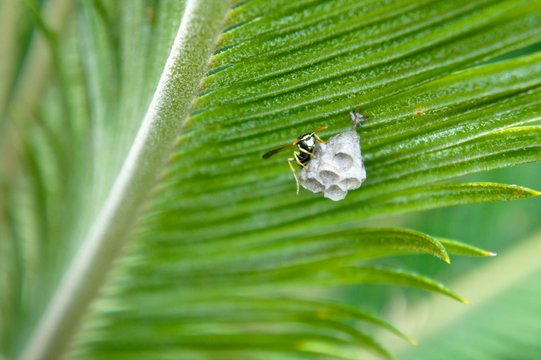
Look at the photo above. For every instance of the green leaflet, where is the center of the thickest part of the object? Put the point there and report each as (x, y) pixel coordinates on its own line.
(267, 282)
(227, 262)
(326, 248)
(459, 248)
(368, 275)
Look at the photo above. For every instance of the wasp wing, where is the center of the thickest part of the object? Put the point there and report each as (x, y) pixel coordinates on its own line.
(268, 154)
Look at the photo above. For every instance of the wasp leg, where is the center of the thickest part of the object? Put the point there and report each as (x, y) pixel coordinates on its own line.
(290, 162)
(306, 152)
(296, 155)
(320, 139)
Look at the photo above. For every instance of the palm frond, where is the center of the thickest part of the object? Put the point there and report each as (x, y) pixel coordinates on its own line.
(227, 262)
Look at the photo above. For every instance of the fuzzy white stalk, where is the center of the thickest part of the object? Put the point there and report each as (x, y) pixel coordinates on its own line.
(196, 39)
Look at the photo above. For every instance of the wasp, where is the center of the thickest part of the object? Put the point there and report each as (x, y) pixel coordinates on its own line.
(306, 144)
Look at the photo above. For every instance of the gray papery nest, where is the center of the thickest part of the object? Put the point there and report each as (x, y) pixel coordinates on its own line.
(337, 166)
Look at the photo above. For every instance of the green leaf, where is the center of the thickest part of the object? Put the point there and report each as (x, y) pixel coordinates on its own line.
(224, 261)
(296, 253)
(379, 275)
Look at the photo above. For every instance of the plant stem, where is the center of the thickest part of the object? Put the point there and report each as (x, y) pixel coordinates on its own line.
(196, 39)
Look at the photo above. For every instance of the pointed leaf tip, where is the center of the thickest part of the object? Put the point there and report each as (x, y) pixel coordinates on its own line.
(459, 248)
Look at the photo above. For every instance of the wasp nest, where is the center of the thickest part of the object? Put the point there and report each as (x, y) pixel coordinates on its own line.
(337, 166)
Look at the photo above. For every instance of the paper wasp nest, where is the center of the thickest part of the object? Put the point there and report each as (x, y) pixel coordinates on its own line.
(337, 166)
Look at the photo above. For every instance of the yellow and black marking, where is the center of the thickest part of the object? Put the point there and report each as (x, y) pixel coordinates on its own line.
(306, 144)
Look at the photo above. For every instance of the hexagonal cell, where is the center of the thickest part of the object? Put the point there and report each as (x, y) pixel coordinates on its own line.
(313, 185)
(352, 183)
(334, 193)
(343, 160)
(328, 176)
